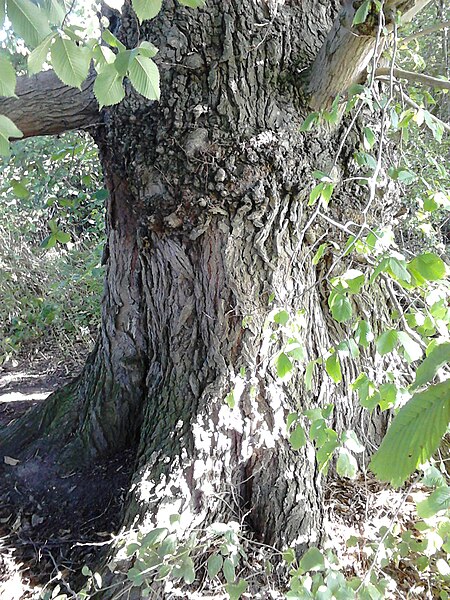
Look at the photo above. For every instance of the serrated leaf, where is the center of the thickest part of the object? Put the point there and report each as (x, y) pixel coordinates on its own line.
(346, 465)
(333, 368)
(297, 438)
(427, 370)
(436, 501)
(144, 77)
(146, 9)
(7, 130)
(283, 365)
(28, 21)
(312, 560)
(39, 55)
(71, 62)
(414, 434)
(7, 77)
(214, 565)
(108, 87)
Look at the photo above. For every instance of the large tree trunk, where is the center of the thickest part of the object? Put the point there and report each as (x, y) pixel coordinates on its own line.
(205, 223)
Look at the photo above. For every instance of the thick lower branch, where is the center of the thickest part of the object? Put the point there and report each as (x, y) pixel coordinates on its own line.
(45, 106)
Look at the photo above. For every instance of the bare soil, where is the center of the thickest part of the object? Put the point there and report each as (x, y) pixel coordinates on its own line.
(51, 525)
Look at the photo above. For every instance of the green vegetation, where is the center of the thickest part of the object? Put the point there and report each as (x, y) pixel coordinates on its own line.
(51, 238)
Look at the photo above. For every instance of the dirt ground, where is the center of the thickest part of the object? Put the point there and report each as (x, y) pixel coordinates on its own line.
(50, 526)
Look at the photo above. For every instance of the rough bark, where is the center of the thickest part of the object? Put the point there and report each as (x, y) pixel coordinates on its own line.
(205, 221)
(45, 106)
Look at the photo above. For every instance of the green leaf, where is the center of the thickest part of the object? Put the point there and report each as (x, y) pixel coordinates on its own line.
(427, 370)
(412, 350)
(309, 122)
(7, 77)
(55, 11)
(229, 571)
(398, 269)
(144, 76)
(147, 49)
(312, 560)
(155, 536)
(436, 501)
(146, 9)
(111, 39)
(2, 12)
(39, 55)
(427, 266)
(340, 307)
(235, 590)
(283, 365)
(289, 555)
(214, 564)
(362, 13)
(28, 21)
(281, 317)
(414, 434)
(333, 368)
(7, 130)
(297, 438)
(188, 570)
(71, 62)
(369, 138)
(192, 3)
(387, 342)
(63, 237)
(320, 252)
(108, 87)
(351, 441)
(363, 334)
(346, 465)
(123, 60)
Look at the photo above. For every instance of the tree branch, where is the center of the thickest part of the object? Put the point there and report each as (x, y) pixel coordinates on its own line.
(427, 31)
(348, 49)
(45, 106)
(413, 77)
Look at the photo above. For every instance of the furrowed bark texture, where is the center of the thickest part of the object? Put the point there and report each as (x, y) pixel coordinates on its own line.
(45, 106)
(206, 223)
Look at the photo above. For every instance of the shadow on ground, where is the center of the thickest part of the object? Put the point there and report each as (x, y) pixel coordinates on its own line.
(51, 525)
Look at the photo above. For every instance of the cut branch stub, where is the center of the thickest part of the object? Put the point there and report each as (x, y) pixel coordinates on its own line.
(348, 50)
